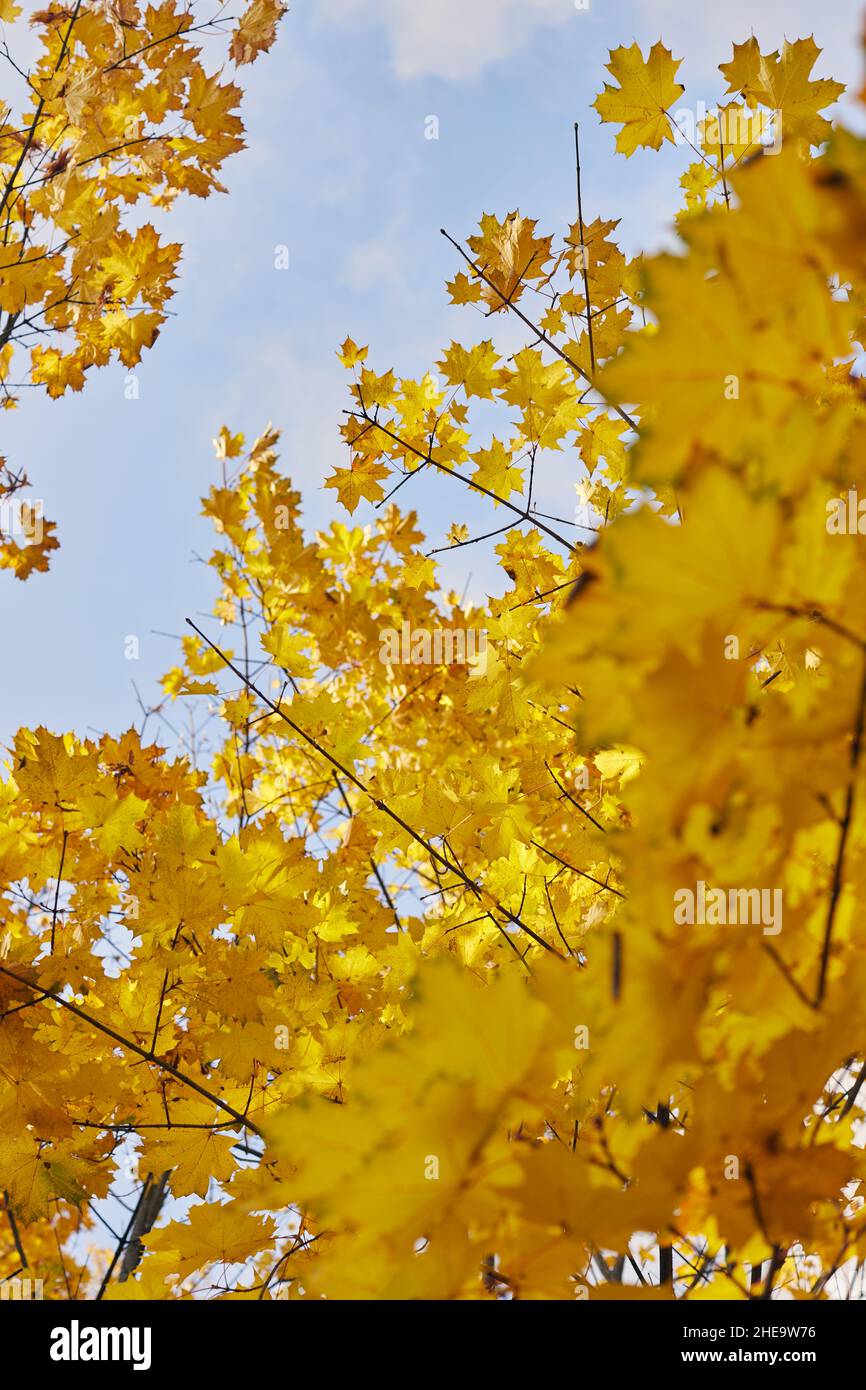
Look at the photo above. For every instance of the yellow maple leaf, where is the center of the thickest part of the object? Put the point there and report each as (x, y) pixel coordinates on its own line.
(256, 30)
(782, 82)
(641, 102)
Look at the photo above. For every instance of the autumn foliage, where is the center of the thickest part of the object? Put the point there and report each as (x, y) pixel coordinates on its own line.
(395, 988)
(118, 108)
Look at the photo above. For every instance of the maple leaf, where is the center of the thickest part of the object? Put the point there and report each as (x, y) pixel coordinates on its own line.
(217, 1233)
(288, 650)
(419, 572)
(56, 371)
(510, 254)
(256, 31)
(782, 82)
(464, 289)
(228, 445)
(349, 354)
(476, 368)
(494, 469)
(641, 101)
(36, 1176)
(697, 182)
(195, 1159)
(362, 481)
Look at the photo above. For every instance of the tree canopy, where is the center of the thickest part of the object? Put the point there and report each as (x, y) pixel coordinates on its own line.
(524, 965)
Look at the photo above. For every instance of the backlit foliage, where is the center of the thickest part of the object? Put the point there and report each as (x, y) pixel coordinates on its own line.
(396, 982)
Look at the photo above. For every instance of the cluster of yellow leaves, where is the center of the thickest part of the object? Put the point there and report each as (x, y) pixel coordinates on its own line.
(585, 294)
(726, 649)
(117, 108)
(775, 102)
(735, 765)
(26, 537)
(397, 994)
(262, 959)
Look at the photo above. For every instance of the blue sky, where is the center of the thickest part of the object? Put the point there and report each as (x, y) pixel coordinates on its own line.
(339, 170)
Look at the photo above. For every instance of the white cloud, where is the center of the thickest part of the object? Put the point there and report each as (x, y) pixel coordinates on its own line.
(452, 38)
(456, 39)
